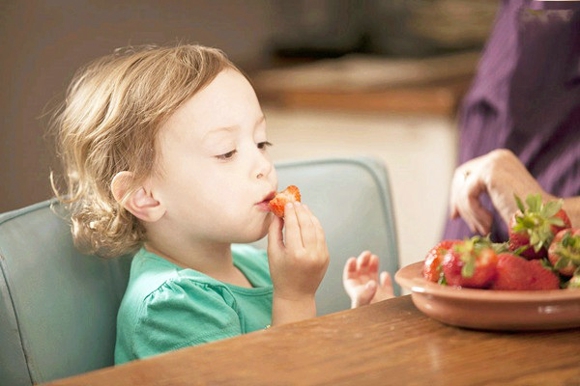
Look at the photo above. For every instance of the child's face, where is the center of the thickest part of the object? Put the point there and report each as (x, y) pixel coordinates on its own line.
(215, 174)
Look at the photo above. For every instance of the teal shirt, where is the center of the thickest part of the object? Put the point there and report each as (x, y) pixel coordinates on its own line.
(166, 307)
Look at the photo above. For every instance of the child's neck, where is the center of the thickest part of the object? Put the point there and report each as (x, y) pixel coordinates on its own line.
(215, 261)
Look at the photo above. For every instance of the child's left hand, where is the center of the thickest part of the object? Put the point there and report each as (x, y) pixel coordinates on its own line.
(362, 282)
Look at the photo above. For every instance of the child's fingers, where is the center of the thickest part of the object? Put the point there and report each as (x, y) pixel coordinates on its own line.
(293, 236)
(386, 286)
(364, 295)
(308, 229)
(385, 279)
(368, 263)
(373, 267)
(349, 270)
(363, 261)
(320, 235)
(303, 229)
(275, 238)
(368, 292)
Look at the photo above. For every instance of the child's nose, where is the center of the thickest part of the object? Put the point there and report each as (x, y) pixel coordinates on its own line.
(264, 167)
(263, 172)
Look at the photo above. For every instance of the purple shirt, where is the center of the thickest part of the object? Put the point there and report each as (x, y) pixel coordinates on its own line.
(526, 98)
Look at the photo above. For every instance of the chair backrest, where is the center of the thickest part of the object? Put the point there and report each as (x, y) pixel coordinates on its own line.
(352, 199)
(58, 307)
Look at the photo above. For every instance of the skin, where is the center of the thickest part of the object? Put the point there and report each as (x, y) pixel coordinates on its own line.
(210, 189)
(362, 282)
(500, 174)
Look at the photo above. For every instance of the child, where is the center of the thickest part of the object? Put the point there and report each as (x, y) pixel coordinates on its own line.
(166, 154)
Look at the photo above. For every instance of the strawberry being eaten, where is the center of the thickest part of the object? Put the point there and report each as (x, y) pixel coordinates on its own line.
(277, 204)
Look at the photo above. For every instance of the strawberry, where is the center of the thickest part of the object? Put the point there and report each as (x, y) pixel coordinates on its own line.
(515, 273)
(574, 282)
(532, 229)
(564, 252)
(290, 194)
(470, 263)
(432, 263)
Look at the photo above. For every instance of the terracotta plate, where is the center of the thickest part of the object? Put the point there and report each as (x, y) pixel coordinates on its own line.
(491, 310)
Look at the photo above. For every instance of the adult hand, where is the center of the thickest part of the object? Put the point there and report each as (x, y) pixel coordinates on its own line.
(501, 175)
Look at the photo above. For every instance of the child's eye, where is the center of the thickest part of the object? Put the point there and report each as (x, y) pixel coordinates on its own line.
(227, 155)
(264, 145)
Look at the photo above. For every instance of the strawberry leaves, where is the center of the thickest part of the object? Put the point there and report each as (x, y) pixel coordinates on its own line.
(537, 220)
(468, 251)
(470, 263)
(568, 250)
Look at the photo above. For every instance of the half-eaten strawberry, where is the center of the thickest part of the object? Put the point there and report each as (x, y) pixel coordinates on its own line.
(290, 194)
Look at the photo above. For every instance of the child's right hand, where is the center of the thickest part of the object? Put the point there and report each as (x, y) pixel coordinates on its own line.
(298, 260)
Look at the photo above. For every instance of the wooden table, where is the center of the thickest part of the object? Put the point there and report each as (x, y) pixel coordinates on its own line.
(388, 343)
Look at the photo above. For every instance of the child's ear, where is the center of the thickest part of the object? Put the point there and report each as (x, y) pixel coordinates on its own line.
(140, 202)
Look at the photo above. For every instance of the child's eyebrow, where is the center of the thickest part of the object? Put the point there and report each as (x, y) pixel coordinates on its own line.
(218, 134)
(229, 129)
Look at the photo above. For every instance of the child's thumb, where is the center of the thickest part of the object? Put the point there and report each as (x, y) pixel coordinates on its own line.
(368, 292)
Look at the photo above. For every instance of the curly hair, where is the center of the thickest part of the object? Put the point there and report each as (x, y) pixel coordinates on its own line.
(109, 123)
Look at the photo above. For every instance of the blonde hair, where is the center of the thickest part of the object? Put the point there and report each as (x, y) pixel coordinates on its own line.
(109, 122)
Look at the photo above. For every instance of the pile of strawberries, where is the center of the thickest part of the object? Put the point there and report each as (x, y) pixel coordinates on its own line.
(542, 253)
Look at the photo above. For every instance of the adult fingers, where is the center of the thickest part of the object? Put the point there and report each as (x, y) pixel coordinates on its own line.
(473, 212)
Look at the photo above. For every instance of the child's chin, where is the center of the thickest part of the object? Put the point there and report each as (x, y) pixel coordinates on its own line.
(264, 232)
(259, 233)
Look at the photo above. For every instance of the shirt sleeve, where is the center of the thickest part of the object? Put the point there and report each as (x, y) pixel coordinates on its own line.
(184, 313)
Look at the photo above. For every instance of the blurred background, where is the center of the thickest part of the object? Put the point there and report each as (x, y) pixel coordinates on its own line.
(336, 77)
